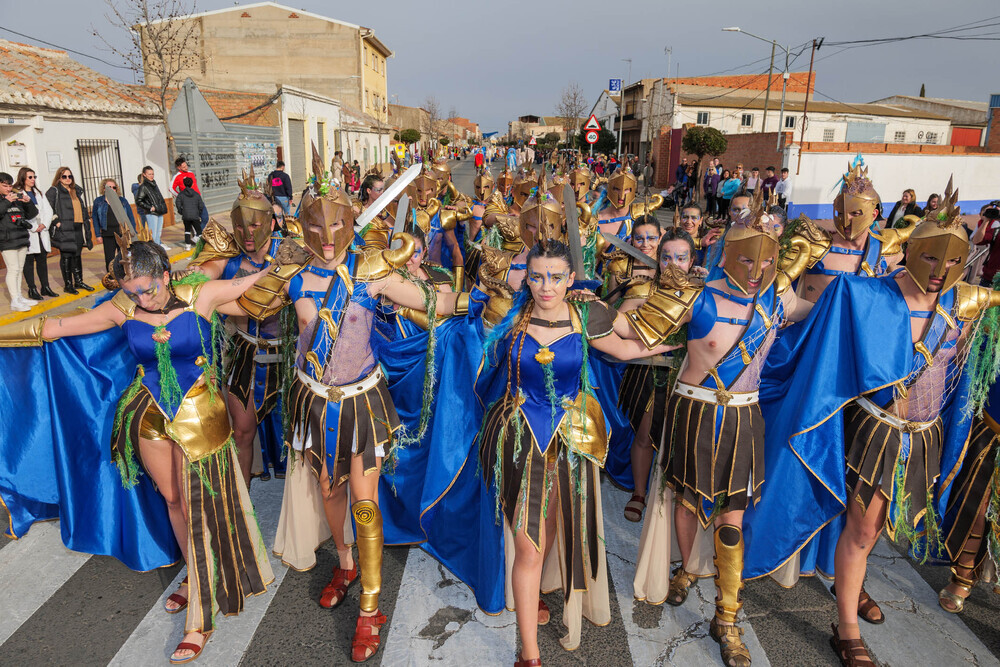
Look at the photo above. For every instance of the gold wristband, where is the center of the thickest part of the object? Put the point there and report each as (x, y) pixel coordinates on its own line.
(26, 333)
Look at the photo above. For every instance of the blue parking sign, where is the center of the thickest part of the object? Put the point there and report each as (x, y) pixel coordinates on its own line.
(615, 86)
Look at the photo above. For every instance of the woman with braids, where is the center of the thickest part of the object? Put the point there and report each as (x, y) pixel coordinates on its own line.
(543, 440)
(172, 424)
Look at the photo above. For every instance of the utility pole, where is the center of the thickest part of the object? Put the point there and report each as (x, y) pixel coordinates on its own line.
(784, 84)
(805, 105)
(621, 104)
(767, 93)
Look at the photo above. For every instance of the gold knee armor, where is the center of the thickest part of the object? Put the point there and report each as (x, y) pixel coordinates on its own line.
(728, 572)
(153, 425)
(368, 520)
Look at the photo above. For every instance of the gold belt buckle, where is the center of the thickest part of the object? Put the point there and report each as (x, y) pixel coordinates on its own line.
(335, 394)
(723, 397)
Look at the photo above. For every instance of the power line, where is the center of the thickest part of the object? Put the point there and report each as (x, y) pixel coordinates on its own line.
(63, 48)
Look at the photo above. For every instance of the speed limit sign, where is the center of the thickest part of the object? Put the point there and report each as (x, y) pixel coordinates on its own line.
(591, 137)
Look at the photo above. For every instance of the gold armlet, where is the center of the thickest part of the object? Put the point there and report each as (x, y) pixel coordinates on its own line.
(26, 333)
(662, 314)
(267, 296)
(971, 301)
(219, 244)
(449, 219)
(375, 264)
(795, 268)
(462, 304)
(458, 284)
(418, 317)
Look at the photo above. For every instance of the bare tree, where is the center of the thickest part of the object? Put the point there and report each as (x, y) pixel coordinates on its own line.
(433, 109)
(572, 105)
(159, 49)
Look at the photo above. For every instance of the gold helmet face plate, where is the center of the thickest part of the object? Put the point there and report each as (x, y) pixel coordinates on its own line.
(621, 187)
(251, 215)
(541, 217)
(854, 207)
(752, 238)
(483, 185)
(423, 188)
(938, 248)
(326, 220)
(579, 180)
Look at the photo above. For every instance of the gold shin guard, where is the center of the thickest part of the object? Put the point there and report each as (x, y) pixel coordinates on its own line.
(369, 525)
(729, 572)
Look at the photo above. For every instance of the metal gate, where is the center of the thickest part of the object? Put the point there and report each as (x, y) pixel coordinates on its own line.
(297, 165)
(99, 159)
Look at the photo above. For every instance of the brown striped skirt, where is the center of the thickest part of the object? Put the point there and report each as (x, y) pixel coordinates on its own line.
(970, 488)
(243, 376)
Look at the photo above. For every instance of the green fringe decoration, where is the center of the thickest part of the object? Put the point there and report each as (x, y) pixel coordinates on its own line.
(128, 467)
(924, 543)
(171, 393)
(983, 364)
(785, 240)
(993, 515)
(550, 390)
(492, 237)
(198, 247)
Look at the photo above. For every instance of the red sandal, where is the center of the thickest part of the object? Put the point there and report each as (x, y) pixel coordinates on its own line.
(188, 646)
(634, 508)
(335, 592)
(366, 637)
(180, 600)
(544, 615)
(529, 662)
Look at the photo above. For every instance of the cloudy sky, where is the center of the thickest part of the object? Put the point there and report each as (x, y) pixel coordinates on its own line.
(495, 61)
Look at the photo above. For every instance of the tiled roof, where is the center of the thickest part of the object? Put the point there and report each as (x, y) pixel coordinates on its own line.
(36, 77)
(227, 104)
(796, 81)
(733, 102)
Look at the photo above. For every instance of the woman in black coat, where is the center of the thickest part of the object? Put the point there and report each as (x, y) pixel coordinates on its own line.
(70, 228)
(907, 205)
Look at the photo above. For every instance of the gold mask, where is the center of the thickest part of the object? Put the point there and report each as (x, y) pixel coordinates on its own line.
(856, 194)
(442, 172)
(579, 180)
(756, 239)
(423, 188)
(325, 214)
(483, 185)
(251, 215)
(505, 181)
(523, 185)
(541, 216)
(943, 239)
(621, 187)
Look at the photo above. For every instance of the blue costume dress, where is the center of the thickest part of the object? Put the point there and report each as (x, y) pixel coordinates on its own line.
(824, 441)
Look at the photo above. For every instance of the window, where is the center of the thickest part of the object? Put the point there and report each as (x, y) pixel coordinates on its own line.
(366, 55)
(702, 118)
(746, 120)
(789, 122)
(899, 137)
(931, 137)
(827, 135)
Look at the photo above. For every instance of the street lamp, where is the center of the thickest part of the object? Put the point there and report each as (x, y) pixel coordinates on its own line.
(784, 81)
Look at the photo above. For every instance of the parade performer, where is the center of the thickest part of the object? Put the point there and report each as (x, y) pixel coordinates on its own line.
(379, 229)
(343, 419)
(580, 179)
(893, 411)
(543, 440)
(711, 457)
(171, 424)
(690, 218)
(486, 192)
(616, 218)
(254, 368)
(455, 208)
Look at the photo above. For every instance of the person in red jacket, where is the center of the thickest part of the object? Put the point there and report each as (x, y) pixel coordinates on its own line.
(177, 184)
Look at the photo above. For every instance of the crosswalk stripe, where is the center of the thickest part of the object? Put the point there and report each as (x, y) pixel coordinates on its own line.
(159, 633)
(681, 636)
(31, 570)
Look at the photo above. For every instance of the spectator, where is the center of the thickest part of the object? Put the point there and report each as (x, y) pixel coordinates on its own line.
(907, 205)
(16, 210)
(135, 186)
(729, 185)
(281, 188)
(177, 183)
(39, 243)
(190, 206)
(681, 169)
(70, 228)
(151, 205)
(478, 159)
(770, 180)
(739, 173)
(784, 190)
(107, 224)
(932, 205)
(986, 234)
(753, 181)
(711, 188)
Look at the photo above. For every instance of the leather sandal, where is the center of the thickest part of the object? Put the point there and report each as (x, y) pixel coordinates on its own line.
(866, 605)
(852, 652)
(180, 600)
(734, 652)
(680, 586)
(366, 637)
(189, 647)
(544, 615)
(529, 662)
(335, 592)
(634, 508)
(958, 601)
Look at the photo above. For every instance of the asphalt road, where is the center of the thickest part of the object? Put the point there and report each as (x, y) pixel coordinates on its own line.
(60, 607)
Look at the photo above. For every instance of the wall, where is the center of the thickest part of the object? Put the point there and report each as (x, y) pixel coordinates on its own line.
(752, 150)
(310, 109)
(976, 176)
(375, 82)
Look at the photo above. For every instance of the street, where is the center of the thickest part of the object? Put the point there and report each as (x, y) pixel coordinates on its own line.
(62, 607)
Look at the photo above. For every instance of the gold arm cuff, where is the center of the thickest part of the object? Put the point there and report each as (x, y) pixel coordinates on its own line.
(219, 244)
(662, 314)
(802, 258)
(462, 304)
(26, 333)
(418, 317)
(458, 284)
(267, 296)
(972, 300)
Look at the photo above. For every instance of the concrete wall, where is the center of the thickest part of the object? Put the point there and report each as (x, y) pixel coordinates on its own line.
(312, 110)
(977, 178)
(261, 48)
(375, 82)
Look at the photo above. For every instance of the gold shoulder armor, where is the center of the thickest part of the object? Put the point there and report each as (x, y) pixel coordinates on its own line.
(267, 296)
(616, 264)
(126, 305)
(450, 219)
(641, 287)
(219, 244)
(789, 271)
(971, 300)
(185, 292)
(433, 206)
(893, 239)
(292, 226)
(496, 205)
(357, 207)
(376, 234)
(818, 239)
(375, 264)
(666, 307)
(640, 208)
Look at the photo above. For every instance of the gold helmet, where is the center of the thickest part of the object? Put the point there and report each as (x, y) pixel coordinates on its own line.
(442, 172)
(856, 194)
(541, 216)
(622, 186)
(325, 214)
(524, 183)
(251, 215)
(505, 181)
(944, 243)
(579, 180)
(752, 237)
(558, 187)
(483, 185)
(423, 188)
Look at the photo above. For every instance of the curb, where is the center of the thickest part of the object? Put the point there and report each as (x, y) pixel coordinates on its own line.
(51, 304)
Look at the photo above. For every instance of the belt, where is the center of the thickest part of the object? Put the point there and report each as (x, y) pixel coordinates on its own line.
(260, 342)
(267, 358)
(883, 416)
(721, 397)
(337, 393)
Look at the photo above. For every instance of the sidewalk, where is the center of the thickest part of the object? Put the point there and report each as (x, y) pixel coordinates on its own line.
(93, 271)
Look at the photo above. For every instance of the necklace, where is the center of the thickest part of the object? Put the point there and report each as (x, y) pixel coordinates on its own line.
(550, 324)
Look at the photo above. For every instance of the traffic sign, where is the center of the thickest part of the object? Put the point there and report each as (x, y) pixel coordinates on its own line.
(592, 123)
(532, 142)
(615, 86)
(591, 136)
(400, 151)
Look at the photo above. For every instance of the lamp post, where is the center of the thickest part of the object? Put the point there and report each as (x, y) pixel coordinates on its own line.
(784, 81)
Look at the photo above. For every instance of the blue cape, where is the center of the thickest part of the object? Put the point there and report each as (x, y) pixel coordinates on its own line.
(847, 347)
